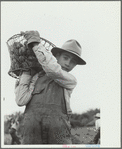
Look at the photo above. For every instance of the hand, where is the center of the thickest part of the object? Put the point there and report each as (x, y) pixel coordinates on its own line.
(31, 36)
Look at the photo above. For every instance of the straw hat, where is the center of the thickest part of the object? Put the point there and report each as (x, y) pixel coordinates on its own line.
(73, 47)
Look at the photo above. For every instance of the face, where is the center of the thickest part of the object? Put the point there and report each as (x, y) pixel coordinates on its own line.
(66, 60)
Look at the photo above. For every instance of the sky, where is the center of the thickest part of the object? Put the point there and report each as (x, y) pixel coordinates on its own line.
(95, 25)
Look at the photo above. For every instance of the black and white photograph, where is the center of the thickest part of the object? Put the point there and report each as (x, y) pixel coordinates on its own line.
(60, 74)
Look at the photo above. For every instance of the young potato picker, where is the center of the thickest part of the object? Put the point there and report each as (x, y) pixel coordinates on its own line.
(13, 132)
(46, 94)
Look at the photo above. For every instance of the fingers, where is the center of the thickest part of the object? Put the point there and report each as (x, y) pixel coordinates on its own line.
(22, 33)
(36, 33)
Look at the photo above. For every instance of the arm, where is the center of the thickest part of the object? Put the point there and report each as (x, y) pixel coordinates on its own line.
(23, 92)
(53, 69)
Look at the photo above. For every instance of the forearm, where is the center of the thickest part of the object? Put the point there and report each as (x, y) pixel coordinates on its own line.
(60, 76)
(53, 69)
(23, 95)
(23, 92)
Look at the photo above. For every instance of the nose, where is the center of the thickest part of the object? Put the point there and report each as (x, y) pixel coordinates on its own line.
(67, 63)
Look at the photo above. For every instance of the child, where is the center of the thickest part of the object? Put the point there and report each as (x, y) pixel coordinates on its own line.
(13, 130)
(97, 125)
(46, 94)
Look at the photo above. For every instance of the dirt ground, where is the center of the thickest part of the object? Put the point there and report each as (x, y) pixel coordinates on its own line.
(82, 135)
(7, 139)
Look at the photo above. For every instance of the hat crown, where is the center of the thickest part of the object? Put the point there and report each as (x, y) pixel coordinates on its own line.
(73, 46)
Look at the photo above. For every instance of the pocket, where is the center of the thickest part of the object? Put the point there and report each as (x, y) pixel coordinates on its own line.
(40, 85)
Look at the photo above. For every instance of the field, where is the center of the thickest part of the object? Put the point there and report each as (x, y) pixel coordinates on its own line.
(82, 135)
(7, 139)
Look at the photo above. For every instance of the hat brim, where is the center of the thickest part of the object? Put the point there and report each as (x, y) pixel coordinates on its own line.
(56, 50)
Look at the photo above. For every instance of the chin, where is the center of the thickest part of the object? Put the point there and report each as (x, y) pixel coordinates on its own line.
(68, 70)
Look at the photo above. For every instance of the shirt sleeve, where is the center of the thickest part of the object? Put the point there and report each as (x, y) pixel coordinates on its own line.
(53, 69)
(23, 92)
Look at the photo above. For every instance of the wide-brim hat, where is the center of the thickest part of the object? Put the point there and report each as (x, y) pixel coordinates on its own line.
(73, 47)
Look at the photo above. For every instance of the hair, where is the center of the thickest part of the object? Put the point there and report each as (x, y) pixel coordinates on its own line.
(60, 52)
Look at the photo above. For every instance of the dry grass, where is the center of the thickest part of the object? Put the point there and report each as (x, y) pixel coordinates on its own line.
(7, 139)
